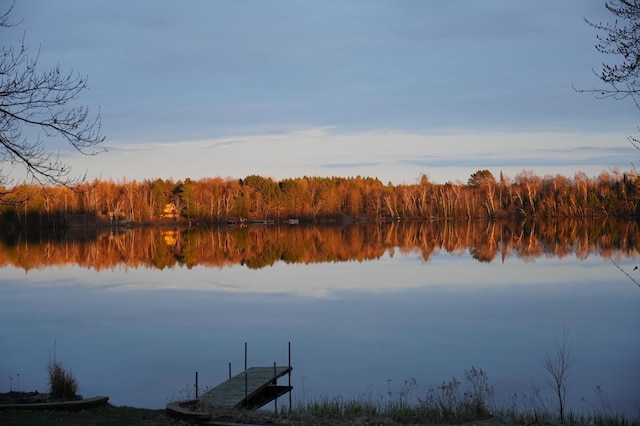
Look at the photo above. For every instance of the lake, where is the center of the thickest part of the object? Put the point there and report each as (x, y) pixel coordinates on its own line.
(135, 313)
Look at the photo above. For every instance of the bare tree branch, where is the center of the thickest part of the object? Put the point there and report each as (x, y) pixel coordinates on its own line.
(43, 101)
(622, 40)
(625, 272)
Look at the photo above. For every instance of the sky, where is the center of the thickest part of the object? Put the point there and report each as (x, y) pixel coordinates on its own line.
(387, 89)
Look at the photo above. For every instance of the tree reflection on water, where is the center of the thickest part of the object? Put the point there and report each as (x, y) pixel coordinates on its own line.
(259, 246)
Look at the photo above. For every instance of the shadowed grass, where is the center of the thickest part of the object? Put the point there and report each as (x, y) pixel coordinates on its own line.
(97, 417)
(451, 402)
(341, 411)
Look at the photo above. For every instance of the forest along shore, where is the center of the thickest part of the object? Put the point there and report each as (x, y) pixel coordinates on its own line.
(261, 200)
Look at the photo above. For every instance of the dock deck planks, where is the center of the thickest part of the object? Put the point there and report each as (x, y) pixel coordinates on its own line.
(258, 384)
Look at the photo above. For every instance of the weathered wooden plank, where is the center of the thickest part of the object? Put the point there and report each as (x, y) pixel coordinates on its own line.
(187, 410)
(80, 404)
(244, 387)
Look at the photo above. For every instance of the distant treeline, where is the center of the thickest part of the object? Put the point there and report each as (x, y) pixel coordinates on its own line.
(320, 199)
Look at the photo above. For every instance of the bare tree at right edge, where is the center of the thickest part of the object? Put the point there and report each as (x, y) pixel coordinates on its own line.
(557, 364)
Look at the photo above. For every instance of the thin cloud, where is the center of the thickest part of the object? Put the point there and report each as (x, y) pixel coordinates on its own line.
(350, 165)
(300, 88)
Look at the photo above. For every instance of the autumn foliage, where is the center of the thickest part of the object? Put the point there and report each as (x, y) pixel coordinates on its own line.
(320, 200)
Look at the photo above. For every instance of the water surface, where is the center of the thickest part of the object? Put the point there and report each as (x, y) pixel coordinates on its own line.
(358, 328)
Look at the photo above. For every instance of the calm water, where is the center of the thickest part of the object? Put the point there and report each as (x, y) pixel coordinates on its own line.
(138, 334)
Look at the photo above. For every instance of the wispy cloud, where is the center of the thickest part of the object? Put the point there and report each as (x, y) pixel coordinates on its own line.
(390, 156)
(299, 88)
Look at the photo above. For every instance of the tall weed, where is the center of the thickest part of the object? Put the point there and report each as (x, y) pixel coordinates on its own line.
(450, 401)
(62, 384)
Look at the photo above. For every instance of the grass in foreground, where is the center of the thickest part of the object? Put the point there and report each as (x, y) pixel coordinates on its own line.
(452, 402)
(108, 415)
(336, 411)
(342, 412)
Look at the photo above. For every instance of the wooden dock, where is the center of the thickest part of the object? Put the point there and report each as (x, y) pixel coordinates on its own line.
(250, 389)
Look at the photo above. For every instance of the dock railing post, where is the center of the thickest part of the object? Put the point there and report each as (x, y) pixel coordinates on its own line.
(289, 377)
(275, 382)
(196, 385)
(246, 379)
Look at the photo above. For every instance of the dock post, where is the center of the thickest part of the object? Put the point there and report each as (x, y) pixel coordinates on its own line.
(196, 385)
(275, 382)
(289, 377)
(229, 370)
(246, 379)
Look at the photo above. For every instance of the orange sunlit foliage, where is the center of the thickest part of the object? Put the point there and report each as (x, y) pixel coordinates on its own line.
(320, 200)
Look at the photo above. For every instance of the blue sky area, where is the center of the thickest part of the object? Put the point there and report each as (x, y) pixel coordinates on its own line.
(388, 89)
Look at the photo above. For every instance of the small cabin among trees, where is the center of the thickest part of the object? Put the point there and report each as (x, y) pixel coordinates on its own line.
(170, 211)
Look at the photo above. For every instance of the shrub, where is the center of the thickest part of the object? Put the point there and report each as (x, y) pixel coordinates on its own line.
(449, 402)
(62, 384)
